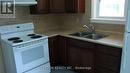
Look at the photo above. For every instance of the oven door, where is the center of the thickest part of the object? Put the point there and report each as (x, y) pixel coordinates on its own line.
(31, 56)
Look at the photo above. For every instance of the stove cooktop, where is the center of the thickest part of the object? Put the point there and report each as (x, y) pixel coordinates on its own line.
(24, 38)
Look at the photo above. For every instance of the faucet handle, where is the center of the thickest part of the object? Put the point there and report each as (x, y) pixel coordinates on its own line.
(85, 25)
(92, 26)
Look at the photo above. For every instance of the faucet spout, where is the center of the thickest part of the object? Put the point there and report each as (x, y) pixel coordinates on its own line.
(90, 27)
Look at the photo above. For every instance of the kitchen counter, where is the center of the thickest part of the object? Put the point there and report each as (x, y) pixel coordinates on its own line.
(113, 39)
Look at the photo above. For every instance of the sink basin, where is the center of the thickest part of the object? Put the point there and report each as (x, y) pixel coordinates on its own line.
(81, 34)
(94, 36)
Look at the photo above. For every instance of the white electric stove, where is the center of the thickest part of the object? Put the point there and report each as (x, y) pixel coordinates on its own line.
(24, 51)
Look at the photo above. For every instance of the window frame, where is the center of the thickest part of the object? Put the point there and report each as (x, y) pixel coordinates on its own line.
(95, 18)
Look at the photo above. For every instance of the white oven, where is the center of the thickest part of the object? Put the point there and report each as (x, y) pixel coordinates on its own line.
(24, 51)
(31, 55)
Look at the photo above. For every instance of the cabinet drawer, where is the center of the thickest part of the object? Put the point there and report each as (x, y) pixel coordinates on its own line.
(108, 61)
(109, 50)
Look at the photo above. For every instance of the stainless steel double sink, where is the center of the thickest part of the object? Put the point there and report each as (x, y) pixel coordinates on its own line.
(89, 35)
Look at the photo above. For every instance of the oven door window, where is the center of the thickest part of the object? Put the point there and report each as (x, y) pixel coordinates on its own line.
(32, 54)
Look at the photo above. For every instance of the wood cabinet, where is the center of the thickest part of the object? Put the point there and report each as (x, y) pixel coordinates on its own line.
(75, 6)
(58, 6)
(62, 41)
(41, 7)
(108, 59)
(83, 56)
(53, 51)
(80, 56)
(57, 50)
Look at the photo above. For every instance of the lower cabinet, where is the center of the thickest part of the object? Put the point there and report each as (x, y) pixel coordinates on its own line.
(80, 56)
(57, 51)
(62, 53)
(53, 51)
(84, 57)
(108, 59)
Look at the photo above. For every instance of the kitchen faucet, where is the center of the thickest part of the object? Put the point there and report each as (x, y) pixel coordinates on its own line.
(90, 27)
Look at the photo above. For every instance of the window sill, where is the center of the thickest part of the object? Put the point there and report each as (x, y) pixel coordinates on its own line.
(108, 21)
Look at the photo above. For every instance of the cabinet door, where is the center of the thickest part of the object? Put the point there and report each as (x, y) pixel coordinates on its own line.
(108, 59)
(62, 50)
(80, 56)
(71, 6)
(53, 51)
(75, 6)
(81, 59)
(57, 6)
(57, 47)
(41, 7)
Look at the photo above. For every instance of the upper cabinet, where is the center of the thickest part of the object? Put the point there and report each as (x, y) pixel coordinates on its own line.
(75, 6)
(41, 7)
(58, 6)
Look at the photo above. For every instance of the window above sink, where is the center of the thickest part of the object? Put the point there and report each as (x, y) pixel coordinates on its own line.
(110, 12)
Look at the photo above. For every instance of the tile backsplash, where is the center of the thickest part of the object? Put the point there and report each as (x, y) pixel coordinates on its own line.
(43, 22)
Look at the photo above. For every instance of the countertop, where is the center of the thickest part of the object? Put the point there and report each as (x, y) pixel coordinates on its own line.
(113, 39)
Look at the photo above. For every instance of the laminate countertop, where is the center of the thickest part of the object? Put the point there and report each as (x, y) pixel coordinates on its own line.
(113, 39)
